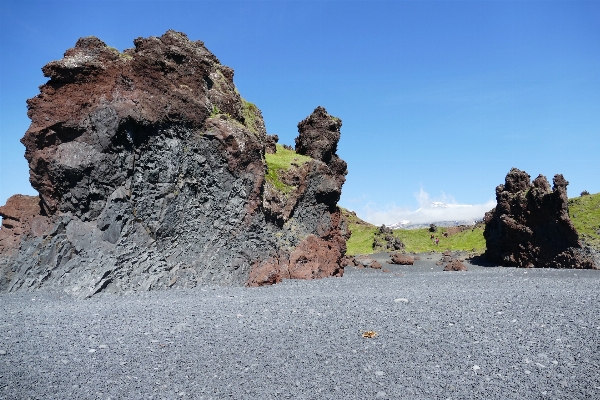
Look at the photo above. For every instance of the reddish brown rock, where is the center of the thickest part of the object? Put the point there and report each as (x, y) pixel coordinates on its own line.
(314, 258)
(349, 261)
(375, 264)
(455, 265)
(530, 226)
(313, 185)
(402, 259)
(151, 173)
(20, 218)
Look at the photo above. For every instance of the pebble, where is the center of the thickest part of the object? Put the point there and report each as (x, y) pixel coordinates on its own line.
(401, 300)
(91, 350)
(379, 373)
(380, 395)
(476, 368)
(2, 352)
(103, 346)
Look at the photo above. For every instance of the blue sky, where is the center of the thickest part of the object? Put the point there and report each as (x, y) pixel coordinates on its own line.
(439, 99)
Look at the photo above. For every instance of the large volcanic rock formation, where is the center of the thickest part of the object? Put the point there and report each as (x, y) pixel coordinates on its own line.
(530, 226)
(151, 170)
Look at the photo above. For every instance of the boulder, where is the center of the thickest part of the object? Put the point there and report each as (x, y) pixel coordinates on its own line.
(151, 174)
(402, 259)
(455, 265)
(530, 226)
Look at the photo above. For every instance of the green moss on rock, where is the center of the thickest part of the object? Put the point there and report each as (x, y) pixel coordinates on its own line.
(279, 163)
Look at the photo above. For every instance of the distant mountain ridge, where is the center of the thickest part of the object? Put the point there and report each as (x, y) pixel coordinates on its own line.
(406, 224)
(445, 224)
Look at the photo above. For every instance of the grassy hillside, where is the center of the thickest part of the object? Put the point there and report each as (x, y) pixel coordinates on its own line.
(585, 214)
(361, 240)
(417, 240)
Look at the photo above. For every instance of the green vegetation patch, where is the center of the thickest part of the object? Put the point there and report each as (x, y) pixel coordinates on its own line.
(250, 113)
(280, 162)
(585, 215)
(415, 240)
(419, 240)
(361, 239)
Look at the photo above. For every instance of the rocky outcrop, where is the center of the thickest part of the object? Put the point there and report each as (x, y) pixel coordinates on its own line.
(530, 226)
(384, 240)
(311, 187)
(151, 169)
(318, 139)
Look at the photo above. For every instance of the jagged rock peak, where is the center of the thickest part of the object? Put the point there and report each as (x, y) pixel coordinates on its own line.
(318, 137)
(530, 226)
(319, 134)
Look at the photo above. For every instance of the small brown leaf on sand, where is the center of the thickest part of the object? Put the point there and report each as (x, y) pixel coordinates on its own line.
(369, 334)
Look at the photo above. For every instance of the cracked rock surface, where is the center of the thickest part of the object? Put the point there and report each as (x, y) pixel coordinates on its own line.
(530, 226)
(150, 170)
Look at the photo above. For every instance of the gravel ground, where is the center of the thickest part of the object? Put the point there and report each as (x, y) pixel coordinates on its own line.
(493, 333)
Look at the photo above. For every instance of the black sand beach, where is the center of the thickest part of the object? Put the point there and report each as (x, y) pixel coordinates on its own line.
(493, 333)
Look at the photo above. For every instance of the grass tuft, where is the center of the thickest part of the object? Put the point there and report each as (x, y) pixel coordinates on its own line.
(280, 162)
(249, 111)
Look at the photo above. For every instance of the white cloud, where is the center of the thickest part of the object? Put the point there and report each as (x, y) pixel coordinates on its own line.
(443, 209)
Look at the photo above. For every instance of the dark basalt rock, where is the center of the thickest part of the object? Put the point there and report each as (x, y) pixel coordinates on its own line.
(384, 240)
(530, 226)
(150, 170)
(271, 144)
(319, 134)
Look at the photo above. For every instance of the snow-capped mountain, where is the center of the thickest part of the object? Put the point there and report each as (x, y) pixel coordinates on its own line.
(406, 224)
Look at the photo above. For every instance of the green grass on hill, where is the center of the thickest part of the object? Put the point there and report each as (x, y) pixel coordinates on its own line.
(280, 162)
(585, 215)
(417, 240)
(361, 239)
(584, 212)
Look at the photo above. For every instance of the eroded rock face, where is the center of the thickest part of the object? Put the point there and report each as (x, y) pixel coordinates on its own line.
(384, 240)
(20, 218)
(530, 226)
(319, 134)
(313, 189)
(271, 144)
(150, 170)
